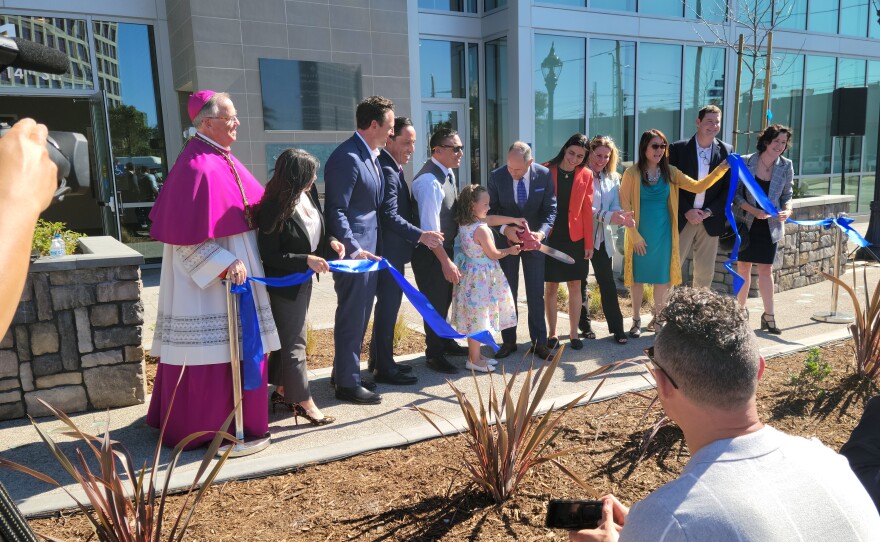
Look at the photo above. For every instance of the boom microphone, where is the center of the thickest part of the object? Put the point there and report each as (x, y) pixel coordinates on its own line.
(27, 55)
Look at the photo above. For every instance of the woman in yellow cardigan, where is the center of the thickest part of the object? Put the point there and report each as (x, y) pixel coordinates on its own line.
(650, 190)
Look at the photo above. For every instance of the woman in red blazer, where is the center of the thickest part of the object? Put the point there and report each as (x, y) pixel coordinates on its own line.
(572, 233)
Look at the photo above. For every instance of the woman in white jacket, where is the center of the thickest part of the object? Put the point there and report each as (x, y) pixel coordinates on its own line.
(602, 160)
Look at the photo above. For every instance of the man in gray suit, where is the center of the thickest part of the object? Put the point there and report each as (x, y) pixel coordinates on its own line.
(524, 189)
(435, 193)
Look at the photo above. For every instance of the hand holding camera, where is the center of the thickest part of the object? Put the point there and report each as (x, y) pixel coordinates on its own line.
(28, 177)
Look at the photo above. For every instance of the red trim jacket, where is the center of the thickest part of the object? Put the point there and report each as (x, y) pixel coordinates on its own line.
(580, 206)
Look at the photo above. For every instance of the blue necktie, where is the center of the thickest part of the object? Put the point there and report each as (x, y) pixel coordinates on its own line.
(521, 195)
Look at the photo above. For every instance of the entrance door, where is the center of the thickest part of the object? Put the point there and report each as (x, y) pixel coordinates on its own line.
(106, 181)
(452, 115)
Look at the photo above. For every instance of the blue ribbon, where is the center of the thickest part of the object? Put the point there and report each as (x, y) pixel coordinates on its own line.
(739, 173)
(253, 345)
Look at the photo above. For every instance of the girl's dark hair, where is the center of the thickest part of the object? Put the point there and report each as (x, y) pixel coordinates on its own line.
(464, 212)
(294, 171)
(772, 132)
(578, 140)
(647, 136)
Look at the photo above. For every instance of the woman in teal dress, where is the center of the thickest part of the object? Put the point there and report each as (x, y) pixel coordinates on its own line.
(649, 190)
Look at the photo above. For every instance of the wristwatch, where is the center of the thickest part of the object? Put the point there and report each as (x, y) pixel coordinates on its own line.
(708, 212)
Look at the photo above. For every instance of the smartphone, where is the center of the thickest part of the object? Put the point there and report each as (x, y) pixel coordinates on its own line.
(573, 515)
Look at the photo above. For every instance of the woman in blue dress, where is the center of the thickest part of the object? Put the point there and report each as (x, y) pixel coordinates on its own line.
(650, 190)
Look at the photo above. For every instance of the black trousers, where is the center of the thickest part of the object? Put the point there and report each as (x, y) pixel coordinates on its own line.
(607, 289)
(431, 282)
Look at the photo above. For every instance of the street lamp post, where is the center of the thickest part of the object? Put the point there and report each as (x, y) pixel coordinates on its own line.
(551, 67)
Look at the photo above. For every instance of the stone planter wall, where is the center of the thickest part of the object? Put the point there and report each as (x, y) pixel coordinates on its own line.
(804, 251)
(75, 340)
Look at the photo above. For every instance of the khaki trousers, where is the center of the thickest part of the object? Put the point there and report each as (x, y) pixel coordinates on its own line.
(705, 248)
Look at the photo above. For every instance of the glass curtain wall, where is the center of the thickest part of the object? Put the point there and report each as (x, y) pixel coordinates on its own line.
(871, 126)
(703, 81)
(819, 83)
(786, 101)
(443, 68)
(497, 105)
(792, 15)
(461, 6)
(668, 8)
(850, 73)
(854, 16)
(823, 16)
(474, 110)
(659, 89)
(612, 86)
(559, 92)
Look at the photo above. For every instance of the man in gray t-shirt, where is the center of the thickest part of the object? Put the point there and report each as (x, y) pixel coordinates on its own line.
(745, 481)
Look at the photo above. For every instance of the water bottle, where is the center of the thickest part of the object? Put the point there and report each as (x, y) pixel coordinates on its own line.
(57, 248)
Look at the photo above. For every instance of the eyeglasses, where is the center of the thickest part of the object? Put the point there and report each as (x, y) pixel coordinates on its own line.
(233, 118)
(657, 146)
(704, 156)
(455, 148)
(650, 353)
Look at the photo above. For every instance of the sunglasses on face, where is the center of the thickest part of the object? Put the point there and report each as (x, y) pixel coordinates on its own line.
(650, 353)
(455, 148)
(658, 146)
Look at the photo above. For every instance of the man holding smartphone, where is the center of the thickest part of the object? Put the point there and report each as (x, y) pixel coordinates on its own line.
(745, 480)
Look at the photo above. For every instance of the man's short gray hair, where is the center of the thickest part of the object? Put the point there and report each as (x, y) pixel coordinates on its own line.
(210, 109)
(521, 149)
(708, 348)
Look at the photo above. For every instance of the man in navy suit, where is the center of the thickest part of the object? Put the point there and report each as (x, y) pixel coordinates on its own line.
(399, 238)
(701, 216)
(524, 189)
(354, 190)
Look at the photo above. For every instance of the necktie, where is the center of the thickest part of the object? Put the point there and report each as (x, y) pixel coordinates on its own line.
(450, 179)
(521, 194)
(400, 172)
(378, 168)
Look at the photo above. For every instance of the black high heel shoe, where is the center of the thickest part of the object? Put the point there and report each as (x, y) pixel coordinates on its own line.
(278, 400)
(299, 410)
(768, 322)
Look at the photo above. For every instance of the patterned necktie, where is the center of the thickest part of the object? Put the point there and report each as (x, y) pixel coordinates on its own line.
(450, 179)
(521, 195)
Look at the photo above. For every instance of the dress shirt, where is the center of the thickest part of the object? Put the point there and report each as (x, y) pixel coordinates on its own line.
(428, 193)
(702, 171)
(307, 212)
(211, 141)
(374, 153)
(606, 200)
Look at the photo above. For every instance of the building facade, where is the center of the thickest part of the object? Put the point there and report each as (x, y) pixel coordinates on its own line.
(535, 70)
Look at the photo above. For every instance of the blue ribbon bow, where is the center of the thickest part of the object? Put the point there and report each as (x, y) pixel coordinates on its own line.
(253, 345)
(739, 173)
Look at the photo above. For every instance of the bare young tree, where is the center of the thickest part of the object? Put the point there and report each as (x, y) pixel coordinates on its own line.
(755, 20)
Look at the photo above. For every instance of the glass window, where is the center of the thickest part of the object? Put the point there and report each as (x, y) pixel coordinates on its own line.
(671, 8)
(612, 93)
(790, 14)
(621, 5)
(449, 5)
(823, 16)
(496, 102)
(786, 97)
(659, 89)
(817, 114)
(871, 126)
(874, 24)
(854, 17)
(326, 94)
(712, 11)
(703, 80)
(559, 92)
(580, 3)
(493, 4)
(751, 104)
(474, 109)
(53, 31)
(442, 68)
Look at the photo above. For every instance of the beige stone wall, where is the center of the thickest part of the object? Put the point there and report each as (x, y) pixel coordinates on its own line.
(75, 342)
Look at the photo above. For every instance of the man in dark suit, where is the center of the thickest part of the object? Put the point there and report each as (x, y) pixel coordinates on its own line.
(435, 194)
(701, 216)
(399, 238)
(354, 190)
(524, 189)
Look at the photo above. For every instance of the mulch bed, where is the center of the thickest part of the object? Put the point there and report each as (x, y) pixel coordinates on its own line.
(421, 493)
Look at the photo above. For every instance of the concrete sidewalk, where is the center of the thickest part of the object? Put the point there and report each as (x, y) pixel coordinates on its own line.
(393, 423)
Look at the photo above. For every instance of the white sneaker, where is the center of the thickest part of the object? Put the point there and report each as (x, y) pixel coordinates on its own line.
(479, 368)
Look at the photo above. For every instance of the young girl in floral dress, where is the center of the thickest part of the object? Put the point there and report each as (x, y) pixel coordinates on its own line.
(481, 299)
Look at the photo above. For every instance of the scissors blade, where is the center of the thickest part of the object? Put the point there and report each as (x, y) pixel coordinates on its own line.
(556, 254)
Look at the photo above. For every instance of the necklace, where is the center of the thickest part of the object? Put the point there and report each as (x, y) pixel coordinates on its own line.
(768, 167)
(655, 178)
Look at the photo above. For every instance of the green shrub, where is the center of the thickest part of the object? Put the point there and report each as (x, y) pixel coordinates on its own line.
(46, 231)
(562, 298)
(809, 380)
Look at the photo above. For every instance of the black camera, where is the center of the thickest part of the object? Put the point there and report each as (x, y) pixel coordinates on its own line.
(70, 153)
